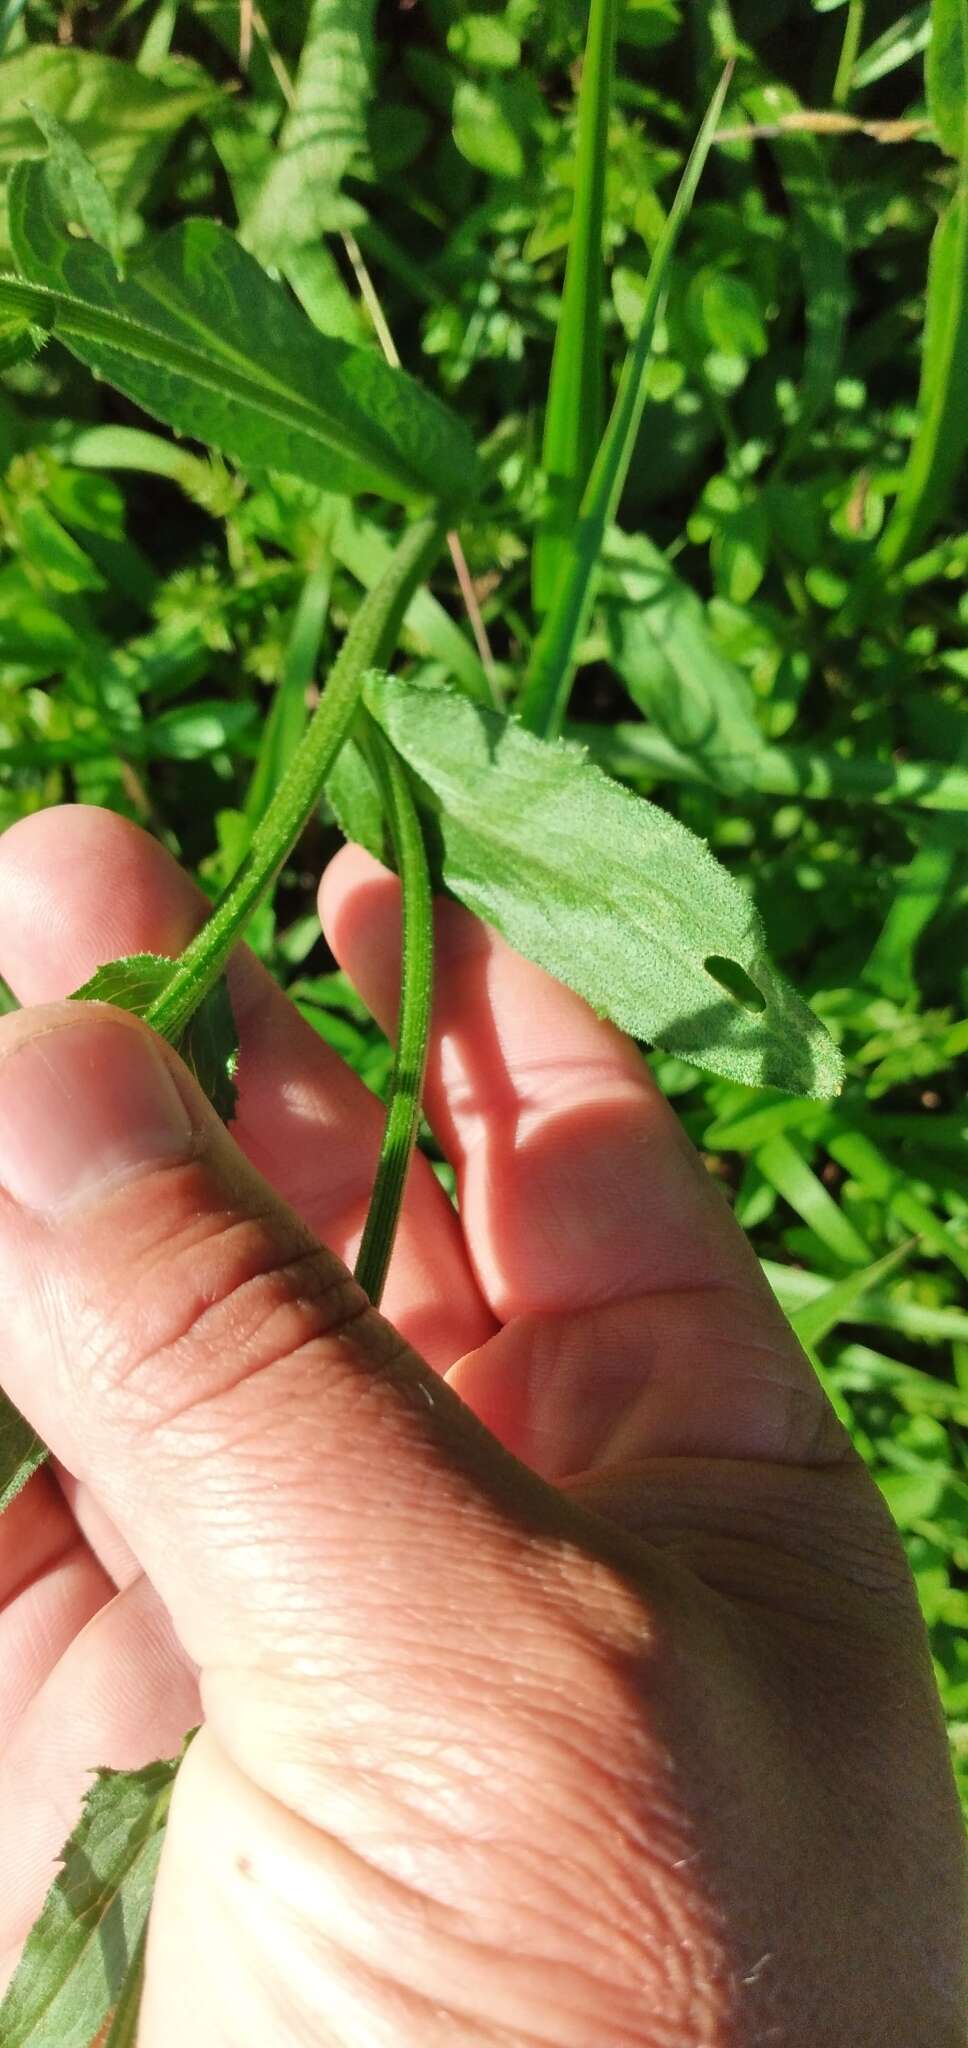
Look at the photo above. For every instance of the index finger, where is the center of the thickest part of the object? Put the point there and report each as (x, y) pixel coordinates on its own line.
(577, 1183)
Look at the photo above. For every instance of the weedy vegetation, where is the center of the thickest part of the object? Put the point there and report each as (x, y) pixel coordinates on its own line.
(526, 440)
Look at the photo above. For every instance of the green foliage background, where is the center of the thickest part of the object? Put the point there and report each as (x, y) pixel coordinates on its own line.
(777, 651)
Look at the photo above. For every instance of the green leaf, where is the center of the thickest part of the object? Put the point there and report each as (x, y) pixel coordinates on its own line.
(322, 137)
(573, 415)
(673, 667)
(200, 337)
(889, 1184)
(902, 40)
(486, 40)
(937, 453)
(122, 121)
(554, 658)
(946, 74)
(492, 123)
(83, 193)
(608, 893)
(21, 1452)
(209, 1043)
(814, 772)
(827, 1306)
(77, 1955)
(787, 1171)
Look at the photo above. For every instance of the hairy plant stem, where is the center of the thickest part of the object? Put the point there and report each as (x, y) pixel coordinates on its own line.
(368, 644)
(413, 1017)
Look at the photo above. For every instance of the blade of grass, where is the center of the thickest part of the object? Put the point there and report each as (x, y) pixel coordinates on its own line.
(573, 415)
(287, 718)
(939, 444)
(788, 1172)
(889, 1184)
(837, 1304)
(554, 658)
(796, 1289)
(413, 1017)
(902, 40)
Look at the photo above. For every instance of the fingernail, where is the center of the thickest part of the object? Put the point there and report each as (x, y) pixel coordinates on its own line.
(84, 1106)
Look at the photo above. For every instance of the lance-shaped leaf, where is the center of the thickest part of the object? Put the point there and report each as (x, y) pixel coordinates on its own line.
(21, 1452)
(604, 890)
(200, 337)
(208, 1045)
(323, 135)
(78, 1954)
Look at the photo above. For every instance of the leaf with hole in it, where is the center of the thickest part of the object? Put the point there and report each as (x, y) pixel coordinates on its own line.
(200, 337)
(209, 1044)
(607, 892)
(21, 1452)
(77, 1956)
(946, 74)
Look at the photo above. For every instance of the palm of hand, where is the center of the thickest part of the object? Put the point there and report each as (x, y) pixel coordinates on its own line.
(613, 1763)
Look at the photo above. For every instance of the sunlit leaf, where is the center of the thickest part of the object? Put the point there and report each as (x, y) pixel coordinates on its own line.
(608, 893)
(200, 337)
(209, 1044)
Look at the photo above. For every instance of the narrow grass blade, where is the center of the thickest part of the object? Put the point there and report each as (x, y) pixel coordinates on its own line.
(837, 1304)
(939, 444)
(788, 1172)
(286, 722)
(413, 1018)
(554, 659)
(889, 1184)
(902, 40)
(573, 416)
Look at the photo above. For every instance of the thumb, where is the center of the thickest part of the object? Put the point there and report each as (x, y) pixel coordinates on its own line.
(278, 1461)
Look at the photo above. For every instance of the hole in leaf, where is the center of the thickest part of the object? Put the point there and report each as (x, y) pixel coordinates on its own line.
(737, 983)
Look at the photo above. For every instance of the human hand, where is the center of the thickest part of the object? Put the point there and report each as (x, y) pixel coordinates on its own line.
(625, 1740)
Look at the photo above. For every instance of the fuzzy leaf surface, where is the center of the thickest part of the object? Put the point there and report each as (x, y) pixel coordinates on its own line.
(77, 1954)
(604, 890)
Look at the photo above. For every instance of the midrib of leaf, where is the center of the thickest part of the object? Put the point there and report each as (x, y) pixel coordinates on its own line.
(123, 332)
(147, 1838)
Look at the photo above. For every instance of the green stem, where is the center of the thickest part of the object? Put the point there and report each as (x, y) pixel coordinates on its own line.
(413, 1019)
(848, 52)
(368, 644)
